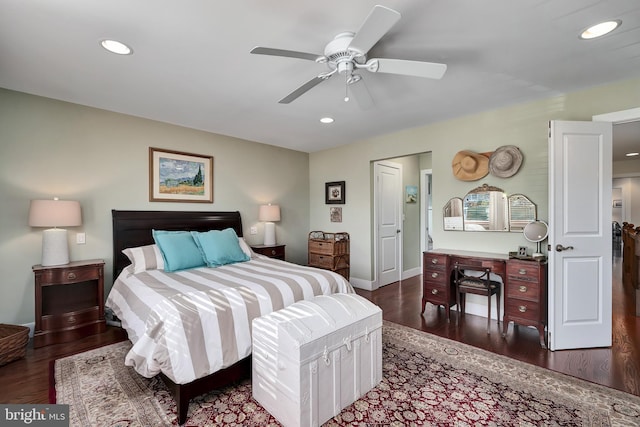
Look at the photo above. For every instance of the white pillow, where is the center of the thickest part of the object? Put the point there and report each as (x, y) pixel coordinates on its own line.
(245, 247)
(145, 258)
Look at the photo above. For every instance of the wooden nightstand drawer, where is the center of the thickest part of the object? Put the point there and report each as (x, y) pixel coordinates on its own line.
(273, 251)
(70, 320)
(63, 275)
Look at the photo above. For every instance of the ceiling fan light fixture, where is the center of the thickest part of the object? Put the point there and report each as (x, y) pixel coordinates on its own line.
(326, 120)
(116, 47)
(600, 29)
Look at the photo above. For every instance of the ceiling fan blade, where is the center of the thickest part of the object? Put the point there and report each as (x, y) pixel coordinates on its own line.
(304, 88)
(376, 25)
(430, 70)
(361, 94)
(286, 53)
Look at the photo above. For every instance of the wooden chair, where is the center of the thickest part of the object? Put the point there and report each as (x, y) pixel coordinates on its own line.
(479, 283)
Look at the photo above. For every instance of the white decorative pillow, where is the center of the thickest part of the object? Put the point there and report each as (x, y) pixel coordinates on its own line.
(145, 258)
(245, 247)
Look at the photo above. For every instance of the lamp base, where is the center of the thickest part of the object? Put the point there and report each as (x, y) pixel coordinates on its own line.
(269, 234)
(55, 247)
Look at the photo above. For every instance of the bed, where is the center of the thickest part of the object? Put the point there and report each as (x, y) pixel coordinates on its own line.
(193, 327)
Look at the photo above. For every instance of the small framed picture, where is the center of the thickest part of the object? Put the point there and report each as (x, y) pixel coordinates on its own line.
(334, 193)
(335, 213)
(522, 251)
(411, 194)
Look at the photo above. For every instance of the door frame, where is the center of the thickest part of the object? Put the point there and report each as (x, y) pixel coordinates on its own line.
(618, 117)
(426, 175)
(376, 200)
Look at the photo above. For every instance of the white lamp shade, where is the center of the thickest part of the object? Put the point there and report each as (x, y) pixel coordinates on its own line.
(269, 213)
(55, 213)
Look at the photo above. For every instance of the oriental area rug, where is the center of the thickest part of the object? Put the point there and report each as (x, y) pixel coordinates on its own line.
(427, 381)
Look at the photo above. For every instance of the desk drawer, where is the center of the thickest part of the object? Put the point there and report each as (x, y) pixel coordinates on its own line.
(524, 271)
(521, 309)
(523, 289)
(435, 292)
(436, 276)
(434, 261)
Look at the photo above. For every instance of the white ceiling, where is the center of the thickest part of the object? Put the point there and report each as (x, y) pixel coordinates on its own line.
(192, 67)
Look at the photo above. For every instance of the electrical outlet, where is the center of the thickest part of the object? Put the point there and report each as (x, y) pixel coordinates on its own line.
(81, 238)
(254, 230)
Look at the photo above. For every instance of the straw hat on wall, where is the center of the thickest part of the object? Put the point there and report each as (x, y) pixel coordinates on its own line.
(469, 166)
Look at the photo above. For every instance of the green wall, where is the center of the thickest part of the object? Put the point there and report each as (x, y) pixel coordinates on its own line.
(50, 148)
(524, 125)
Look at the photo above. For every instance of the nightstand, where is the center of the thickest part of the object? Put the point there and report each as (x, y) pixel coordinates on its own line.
(272, 251)
(69, 301)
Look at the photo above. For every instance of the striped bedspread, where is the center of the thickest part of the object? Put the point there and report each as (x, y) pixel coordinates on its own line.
(192, 323)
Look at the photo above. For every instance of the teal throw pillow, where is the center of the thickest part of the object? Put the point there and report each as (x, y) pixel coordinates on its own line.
(220, 247)
(179, 250)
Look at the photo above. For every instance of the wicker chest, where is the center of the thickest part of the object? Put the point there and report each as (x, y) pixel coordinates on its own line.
(330, 251)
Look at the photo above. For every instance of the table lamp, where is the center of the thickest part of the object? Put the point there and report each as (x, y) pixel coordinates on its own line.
(55, 213)
(269, 214)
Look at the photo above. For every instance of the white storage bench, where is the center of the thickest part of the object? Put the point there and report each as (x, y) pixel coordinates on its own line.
(316, 357)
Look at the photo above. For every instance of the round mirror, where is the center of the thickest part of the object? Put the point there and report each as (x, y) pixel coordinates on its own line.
(536, 231)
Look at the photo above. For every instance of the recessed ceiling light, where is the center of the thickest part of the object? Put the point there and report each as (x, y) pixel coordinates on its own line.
(600, 29)
(632, 154)
(326, 120)
(117, 47)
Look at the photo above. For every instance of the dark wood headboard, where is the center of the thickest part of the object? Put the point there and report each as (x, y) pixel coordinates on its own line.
(133, 228)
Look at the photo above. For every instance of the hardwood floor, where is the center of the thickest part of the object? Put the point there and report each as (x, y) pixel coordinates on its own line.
(27, 380)
(616, 367)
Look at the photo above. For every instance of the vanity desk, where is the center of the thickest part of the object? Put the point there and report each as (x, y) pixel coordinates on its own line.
(524, 284)
(437, 274)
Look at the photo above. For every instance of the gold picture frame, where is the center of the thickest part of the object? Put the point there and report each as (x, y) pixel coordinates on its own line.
(176, 176)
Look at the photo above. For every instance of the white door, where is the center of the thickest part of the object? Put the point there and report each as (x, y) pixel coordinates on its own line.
(580, 173)
(388, 221)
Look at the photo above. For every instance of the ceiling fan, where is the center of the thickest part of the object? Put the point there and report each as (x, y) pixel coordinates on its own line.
(347, 53)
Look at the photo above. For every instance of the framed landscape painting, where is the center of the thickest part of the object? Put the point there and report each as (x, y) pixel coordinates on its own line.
(175, 176)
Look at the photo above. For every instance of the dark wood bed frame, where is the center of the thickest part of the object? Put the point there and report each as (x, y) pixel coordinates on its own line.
(133, 228)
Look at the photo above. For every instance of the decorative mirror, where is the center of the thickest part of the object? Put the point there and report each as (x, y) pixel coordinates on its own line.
(536, 232)
(485, 208)
(452, 214)
(521, 212)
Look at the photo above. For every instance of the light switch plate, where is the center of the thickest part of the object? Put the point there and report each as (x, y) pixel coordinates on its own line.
(81, 238)
(254, 230)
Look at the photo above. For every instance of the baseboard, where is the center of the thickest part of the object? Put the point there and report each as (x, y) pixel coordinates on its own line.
(407, 274)
(367, 285)
(372, 285)
(32, 327)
